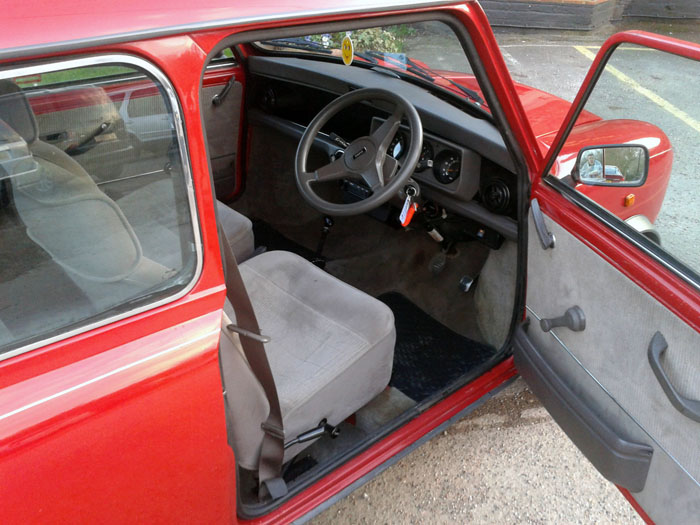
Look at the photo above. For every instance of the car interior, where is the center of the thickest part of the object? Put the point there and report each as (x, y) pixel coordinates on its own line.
(429, 304)
(372, 209)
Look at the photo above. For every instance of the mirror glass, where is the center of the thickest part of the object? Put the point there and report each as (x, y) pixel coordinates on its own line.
(613, 165)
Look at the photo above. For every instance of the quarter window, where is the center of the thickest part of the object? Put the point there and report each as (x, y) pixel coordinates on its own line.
(95, 217)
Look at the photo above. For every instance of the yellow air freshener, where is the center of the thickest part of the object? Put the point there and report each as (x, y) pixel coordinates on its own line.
(347, 50)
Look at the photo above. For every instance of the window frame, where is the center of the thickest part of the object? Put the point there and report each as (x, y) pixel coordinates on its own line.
(601, 214)
(180, 131)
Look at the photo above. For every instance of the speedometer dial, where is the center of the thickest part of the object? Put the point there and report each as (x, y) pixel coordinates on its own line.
(397, 146)
(447, 167)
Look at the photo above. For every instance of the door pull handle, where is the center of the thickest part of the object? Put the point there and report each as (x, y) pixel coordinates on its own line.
(688, 407)
(546, 237)
(218, 99)
(574, 319)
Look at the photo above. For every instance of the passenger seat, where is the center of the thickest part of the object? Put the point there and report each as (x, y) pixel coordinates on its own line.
(238, 231)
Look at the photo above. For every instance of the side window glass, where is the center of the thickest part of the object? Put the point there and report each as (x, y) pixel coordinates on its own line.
(633, 149)
(95, 217)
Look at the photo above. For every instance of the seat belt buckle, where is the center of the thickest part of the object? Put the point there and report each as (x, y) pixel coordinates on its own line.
(247, 333)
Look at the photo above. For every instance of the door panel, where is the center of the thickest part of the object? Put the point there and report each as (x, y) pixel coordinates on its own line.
(223, 124)
(607, 367)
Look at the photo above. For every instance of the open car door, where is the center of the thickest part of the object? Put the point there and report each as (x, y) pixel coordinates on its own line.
(610, 342)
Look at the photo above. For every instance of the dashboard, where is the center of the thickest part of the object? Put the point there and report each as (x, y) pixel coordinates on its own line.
(464, 165)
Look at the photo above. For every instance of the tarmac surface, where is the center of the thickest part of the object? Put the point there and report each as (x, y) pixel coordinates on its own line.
(508, 462)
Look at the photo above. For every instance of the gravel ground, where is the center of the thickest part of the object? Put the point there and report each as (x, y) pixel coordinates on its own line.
(507, 462)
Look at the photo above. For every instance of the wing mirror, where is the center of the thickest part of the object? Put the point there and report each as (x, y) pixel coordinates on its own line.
(612, 165)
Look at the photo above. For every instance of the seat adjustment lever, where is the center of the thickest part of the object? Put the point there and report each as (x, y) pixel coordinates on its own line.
(322, 428)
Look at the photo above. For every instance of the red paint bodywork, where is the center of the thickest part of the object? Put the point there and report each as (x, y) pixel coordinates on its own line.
(125, 422)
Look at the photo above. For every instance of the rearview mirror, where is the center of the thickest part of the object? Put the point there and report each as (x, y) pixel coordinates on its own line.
(612, 165)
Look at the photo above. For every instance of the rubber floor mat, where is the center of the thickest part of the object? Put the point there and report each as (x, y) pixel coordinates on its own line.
(266, 235)
(428, 356)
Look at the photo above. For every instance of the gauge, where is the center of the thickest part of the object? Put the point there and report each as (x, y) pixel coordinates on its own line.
(447, 167)
(397, 146)
(426, 157)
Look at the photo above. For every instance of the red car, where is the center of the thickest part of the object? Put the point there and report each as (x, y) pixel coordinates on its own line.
(326, 252)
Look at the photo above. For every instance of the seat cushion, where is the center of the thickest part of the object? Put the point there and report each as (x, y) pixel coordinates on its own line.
(331, 348)
(238, 231)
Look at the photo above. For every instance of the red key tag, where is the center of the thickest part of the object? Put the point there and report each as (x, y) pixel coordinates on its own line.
(407, 212)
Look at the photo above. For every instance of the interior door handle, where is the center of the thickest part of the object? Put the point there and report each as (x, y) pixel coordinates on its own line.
(688, 407)
(546, 237)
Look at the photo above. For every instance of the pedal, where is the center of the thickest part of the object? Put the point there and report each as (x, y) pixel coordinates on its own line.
(466, 282)
(438, 263)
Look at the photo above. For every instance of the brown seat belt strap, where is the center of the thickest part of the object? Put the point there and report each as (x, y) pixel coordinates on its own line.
(272, 449)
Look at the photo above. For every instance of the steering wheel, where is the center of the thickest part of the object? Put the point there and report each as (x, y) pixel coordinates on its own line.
(365, 158)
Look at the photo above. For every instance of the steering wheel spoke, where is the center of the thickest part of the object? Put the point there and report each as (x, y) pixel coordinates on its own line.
(385, 133)
(376, 177)
(373, 178)
(335, 170)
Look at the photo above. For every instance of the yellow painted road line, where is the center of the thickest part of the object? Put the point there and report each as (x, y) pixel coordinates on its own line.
(648, 93)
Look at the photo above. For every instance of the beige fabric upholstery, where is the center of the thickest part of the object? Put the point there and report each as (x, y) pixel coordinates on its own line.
(331, 350)
(238, 231)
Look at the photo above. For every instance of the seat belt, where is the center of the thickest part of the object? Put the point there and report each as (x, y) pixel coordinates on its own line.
(272, 449)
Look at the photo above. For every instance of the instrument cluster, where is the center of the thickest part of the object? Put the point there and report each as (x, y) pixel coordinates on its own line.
(444, 162)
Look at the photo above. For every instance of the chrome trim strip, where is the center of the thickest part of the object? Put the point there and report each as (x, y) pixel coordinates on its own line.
(607, 392)
(106, 375)
(658, 254)
(71, 45)
(184, 158)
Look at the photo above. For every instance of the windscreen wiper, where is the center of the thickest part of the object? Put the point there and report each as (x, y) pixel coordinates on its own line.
(298, 43)
(312, 45)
